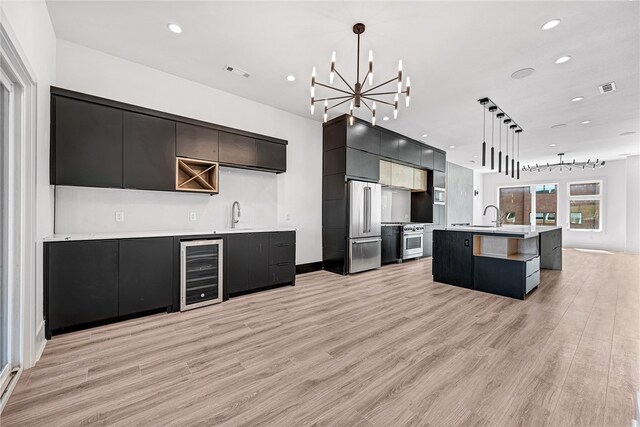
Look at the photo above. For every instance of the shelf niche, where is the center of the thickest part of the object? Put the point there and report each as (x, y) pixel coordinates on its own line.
(197, 175)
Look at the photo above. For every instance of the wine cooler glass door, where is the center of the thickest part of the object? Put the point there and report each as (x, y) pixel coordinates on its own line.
(200, 273)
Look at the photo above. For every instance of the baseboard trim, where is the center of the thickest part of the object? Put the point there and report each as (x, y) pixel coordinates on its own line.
(309, 267)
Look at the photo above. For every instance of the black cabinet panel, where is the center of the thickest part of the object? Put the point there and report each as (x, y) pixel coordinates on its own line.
(439, 161)
(145, 274)
(236, 272)
(237, 150)
(86, 144)
(389, 145)
(426, 157)
(82, 282)
(421, 207)
(409, 152)
(364, 138)
(271, 155)
(391, 244)
(439, 179)
(509, 282)
(453, 258)
(258, 260)
(334, 161)
(282, 273)
(196, 142)
(149, 157)
(282, 237)
(363, 165)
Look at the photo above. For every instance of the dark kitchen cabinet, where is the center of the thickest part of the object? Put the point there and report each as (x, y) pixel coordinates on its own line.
(271, 155)
(453, 251)
(389, 145)
(439, 179)
(236, 272)
(86, 144)
(149, 152)
(258, 260)
(391, 244)
(363, 137)
(81, 283)
(362, 165)
(282, 257)
(409, 152)
(145, 274)
(196, 142)
(237, 150)
(426, 157)
(439, 161)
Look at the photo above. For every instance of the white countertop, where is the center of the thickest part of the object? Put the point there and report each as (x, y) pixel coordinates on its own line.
(140, 234)
(521, 230)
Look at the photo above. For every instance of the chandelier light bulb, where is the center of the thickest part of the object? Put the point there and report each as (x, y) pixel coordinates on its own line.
(400, 76)
(333, 68)
(408, 98)
(313, 106)
(370, 68)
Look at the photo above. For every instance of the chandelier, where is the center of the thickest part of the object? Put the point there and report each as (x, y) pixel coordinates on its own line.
(510, 126)
(356, 94)
(562, 165)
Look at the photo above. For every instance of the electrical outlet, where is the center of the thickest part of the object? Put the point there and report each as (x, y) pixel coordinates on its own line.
(119, 216)
(193, 216)
(287, 217)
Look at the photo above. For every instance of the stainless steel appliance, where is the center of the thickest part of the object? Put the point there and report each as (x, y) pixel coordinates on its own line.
(412, 241)
(439, 196)
(364, 226)
(200, 273)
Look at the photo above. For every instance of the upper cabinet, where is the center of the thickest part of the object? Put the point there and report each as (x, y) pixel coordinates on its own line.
(363, 138)
(271, 155)
(409, 152)
(196, 142)
(389, 145)
(149, 147)
(439, 161)
(426, 157)
(86, 146)
(237, 150)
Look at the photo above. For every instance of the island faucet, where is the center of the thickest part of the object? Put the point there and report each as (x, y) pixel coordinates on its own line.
(234, 219)
(497, 221)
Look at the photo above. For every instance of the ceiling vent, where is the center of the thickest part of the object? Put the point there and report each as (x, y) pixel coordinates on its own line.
(607, 87)
(237, 71)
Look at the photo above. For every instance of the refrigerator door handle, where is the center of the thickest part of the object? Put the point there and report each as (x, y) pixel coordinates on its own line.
(368, 209)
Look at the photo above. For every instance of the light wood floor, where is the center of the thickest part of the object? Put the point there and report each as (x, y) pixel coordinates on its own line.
(383, 348)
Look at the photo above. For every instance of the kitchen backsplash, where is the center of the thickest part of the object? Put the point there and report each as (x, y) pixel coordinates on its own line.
(396, 205)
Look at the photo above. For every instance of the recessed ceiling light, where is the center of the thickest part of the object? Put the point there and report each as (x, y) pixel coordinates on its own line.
(627, 133)
(174, 28)
(550, 24)
(585, 122)
(475, 157)
(563, 59)
(578, 98)
(452, 146)
(559, 125)
(291, 78)
(424, 135)
(552, 145)
(385, 118)
(521, 74)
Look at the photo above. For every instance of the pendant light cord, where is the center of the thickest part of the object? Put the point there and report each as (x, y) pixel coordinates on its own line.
(493, 119)
(484, 124)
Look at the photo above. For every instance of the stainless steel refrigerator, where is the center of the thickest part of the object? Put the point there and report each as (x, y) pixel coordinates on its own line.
(365, 241)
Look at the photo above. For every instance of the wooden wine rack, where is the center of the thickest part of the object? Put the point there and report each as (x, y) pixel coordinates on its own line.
(196, 175)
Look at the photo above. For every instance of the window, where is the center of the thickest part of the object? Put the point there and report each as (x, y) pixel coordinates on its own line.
(524, 204)
(585, 205)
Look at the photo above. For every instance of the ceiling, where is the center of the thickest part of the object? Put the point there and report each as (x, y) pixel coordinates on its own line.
(454, 52)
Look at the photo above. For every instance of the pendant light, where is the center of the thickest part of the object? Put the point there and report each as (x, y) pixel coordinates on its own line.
(506, 163)
(484, 132)
(500, 116)
(513, 151)
(492, 110)
(519, 131)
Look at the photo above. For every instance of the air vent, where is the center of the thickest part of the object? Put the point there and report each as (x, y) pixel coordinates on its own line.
(607, 87)
(237, 71)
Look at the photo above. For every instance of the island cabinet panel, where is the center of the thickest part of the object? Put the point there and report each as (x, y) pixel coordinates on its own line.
(149, 157)
(145, 274)
(237, 150)
(271, 156)
(510, 282)
(410, 152)
(453, 258)
(439, 161)
(551, 249)
(363, 137)
(258, 260)
(86, 144)
(196, 142)
(81, 284)
(362, 165)
(389, 145)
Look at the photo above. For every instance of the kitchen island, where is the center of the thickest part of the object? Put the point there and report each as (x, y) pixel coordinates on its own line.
(500, 260)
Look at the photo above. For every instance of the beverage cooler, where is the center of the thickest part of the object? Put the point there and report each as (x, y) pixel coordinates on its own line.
(200, 273)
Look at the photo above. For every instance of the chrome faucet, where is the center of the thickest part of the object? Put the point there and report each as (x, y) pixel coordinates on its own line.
(497, 221)
(234, 219)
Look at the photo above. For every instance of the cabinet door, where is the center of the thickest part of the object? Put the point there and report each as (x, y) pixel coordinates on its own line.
(82, 282)
(364, 138)
(282, 247)
(258, 258)
(389, 145)
(439, 161)
(271, 155)
(237, 150)
(363, 165)
(426, 157)
(385, 172)
(453, 258)
(282, 273)
(439, 179)
(149, 152)
(146, 270)
(86, 144)
(196, 142)
(236, 272)
(409, 152)
(401, 175)
(419, 180)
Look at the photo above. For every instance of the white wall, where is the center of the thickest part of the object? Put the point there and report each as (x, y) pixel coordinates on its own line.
(30, 23)
(291, 199)
(633, 204)
(614, 211)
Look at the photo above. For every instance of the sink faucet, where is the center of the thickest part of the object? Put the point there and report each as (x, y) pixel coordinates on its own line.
(234, 219)
(497, 221)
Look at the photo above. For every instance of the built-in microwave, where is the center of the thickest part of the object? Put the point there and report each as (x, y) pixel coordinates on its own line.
(439, 196)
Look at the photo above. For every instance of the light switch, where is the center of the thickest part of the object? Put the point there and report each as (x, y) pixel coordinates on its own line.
(193, 216)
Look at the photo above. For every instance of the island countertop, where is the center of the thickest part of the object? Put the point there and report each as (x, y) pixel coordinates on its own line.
(523, 231)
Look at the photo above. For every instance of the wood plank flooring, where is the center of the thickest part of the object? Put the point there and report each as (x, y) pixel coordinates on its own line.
(383, 348)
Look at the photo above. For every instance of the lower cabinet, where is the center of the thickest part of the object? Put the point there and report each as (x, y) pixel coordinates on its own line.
(258, 257)
(391, 244)
(516, 278)
(454, 254)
